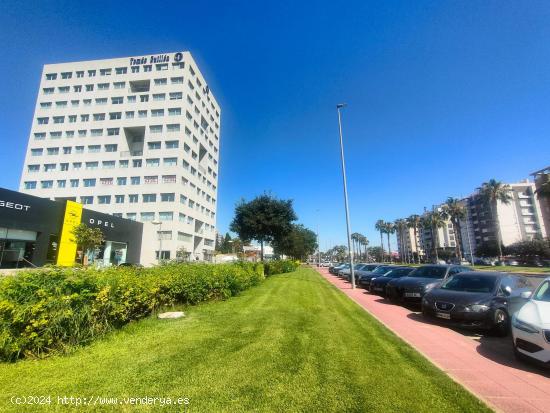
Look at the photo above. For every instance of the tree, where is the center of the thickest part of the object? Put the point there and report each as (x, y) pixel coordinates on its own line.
(414, 222)
(263, 219)
(389, 229)
(354, 242)
(400, 226)
(433, 221)
(543, 191)
(535, 248)
(363, 241)
(182, 254)
(88, 239)
(299, 243)
(491, 193)
(377, 253)
(488, 249)
(338, 252)
(380, 226)
(455, 211)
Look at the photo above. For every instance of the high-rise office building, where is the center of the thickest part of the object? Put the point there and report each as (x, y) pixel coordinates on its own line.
(135, 137)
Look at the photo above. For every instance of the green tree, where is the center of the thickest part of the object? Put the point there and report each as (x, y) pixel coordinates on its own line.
(264, 219)
(338, 253)
(380, 226)
(377, 253)
(414, 222)
(543, 191)
(88, 239)
(535, 248)
(400, 226)
(491, 193)
(299, 243)
(455, 211)
(433, 221)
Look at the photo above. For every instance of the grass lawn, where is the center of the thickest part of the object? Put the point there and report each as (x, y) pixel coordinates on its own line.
(294, 343)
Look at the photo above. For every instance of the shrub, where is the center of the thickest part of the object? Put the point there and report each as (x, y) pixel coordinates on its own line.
(280, 266)
(51, 310)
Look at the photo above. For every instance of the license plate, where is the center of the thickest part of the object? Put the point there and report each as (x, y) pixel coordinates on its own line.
(378, 289)
(413, 295)
(446, 316)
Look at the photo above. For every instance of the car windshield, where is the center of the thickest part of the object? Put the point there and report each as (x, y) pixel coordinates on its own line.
(382, 270)
(370, 267)
(429, 272)
(543, 292)
(471, 283)
(400, 272)
(358, 266)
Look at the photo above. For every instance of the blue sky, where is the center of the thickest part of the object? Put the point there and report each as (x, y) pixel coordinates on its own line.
(442, 95)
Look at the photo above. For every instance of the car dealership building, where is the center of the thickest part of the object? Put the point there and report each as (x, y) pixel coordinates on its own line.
(36, 231)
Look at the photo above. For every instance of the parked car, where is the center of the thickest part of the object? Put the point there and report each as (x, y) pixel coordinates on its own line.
(365, 277)
(478, 300)
(378, 284)
(362, 270)
(413, 287)
(326, 264)
(334, 269)
(531, 326)
(346, 273)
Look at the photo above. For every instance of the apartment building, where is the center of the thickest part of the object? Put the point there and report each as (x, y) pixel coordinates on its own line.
(542, 178)
(407, 246)
(519, 220)
(442, 238)
(135, 137)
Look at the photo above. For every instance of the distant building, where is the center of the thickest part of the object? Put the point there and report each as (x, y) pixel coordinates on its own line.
(541, 177)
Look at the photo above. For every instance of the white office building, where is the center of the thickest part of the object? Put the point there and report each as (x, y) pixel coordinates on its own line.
(136, 137)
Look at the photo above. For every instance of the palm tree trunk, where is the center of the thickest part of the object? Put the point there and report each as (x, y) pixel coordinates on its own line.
(382, 245)
(435, 238)
(416, 246)
(389, 250)
(458, 237)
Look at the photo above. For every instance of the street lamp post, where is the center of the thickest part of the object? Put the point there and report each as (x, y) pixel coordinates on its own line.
(348, 226)
(159, 234)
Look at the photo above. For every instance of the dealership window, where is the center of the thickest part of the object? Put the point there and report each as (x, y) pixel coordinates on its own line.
(104, 199)
(30, 184)
(147, 216)
(121, 181)
(61, 183)
(164, 235)
(149, 198)
(119, 199)
(133, 198)
(46, 184)
(167, 197)
(90, 182)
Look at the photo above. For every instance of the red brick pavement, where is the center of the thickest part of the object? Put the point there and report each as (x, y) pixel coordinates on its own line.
(485, 365)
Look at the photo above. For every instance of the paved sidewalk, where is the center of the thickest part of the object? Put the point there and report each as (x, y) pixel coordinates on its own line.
(479, 365)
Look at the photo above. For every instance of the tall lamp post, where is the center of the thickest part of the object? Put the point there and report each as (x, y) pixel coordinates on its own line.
(338, 107)
(159, 234)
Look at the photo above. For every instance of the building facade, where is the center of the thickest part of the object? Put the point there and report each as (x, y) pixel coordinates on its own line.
(135, 137)
(542, 179)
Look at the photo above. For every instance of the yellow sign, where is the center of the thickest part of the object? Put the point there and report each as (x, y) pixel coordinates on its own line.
(67, 243)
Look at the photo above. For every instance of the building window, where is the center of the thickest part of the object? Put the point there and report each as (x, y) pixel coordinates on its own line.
(104, 199)
(30, 184)
(147, 68)
(121, 70)
(153, 145)
(147, 216)
(108, 164)
(46, 105)
(33, 168)
(64, 166)
(162, 66)
(149, 198)
(36, 152)
(176, 95)
(40, 136)
(174, 111)
(99, 116)
(80, 73)
(51, 76)
(94, 148)
(159, 97)
(156, 113)
(166, 216)
(153, 162)
(42, 121)
(177, 80)
(119, 199)
(106, 181)
(96, 132)
(61, 183)
(123, 164)
(131, 99)
(49, 167)
(77, 166)
(167, 197)
(142, 113)
(119, 85)
(79, 149)
(170, 161)
(135, 69)
(130, 115)
(117, 100)
(135, 180)
(105, 72)
(133, 198)
(87, 200)
(168, 179)
(175, 127)
(111, 148)
(151, 179)
(55, 135)
(121, 181)
(92, 165)
(88, 183)
(182, 236)
(46, 184)
(131, 216)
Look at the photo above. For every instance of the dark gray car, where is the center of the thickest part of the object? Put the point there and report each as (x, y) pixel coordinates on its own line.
(413, 287)
(479, 300)
(364, 277)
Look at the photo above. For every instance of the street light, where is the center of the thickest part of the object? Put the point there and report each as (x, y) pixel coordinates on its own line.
(159, 233)
(338, 107)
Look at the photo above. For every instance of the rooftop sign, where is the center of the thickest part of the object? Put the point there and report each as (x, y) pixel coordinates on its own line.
(161, 58)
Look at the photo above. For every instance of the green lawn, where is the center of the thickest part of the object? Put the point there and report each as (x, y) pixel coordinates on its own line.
(295, 343)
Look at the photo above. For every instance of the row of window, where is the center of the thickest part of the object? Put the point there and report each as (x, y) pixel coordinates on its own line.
(45, 120)
(109, 71)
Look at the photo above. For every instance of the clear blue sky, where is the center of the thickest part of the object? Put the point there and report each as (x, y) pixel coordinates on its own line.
(442, 95)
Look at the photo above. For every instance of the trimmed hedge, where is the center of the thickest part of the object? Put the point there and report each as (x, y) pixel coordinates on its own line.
(280, 266)
(52, 310)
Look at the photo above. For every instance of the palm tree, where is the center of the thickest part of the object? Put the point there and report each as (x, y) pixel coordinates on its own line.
(455, 211)
(491, 193)
(400, 226)
(543, 191)
(389, 229)
(434, 221)
(380, 226)
(365, 243)
(355, 242)
(414, 222)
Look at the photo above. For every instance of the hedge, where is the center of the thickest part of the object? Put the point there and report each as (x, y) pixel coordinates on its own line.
(53, 310)
(280, 266)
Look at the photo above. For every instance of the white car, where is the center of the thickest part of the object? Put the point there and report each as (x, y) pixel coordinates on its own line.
(531, 326)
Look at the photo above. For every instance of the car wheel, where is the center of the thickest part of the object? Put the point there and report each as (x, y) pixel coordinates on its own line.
(501, 323)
